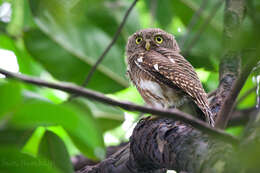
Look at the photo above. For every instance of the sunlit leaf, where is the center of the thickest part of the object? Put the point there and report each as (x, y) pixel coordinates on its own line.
(31, 146)
(81, 128)
(250, 99)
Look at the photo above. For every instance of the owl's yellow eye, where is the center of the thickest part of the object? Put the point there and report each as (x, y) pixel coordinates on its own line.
(158, 39)
(138, 40)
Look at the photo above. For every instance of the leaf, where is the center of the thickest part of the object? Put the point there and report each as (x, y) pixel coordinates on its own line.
(10, 93)
(53, 149)
(21, 18)
(130, 94)
(14, 137)
(31, 146)
(80, 127)
(236, 131)
(26, 64)
(73, 27)
(250, 100)
(59, 131)
(49, 54)
(107, 117)
(14, 161)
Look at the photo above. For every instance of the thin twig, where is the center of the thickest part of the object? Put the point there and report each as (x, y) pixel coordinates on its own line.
(193, 21)
(173, 113)
(204, 26)
(100, 59)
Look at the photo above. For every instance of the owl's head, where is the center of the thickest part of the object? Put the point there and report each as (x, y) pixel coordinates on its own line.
(150, 39)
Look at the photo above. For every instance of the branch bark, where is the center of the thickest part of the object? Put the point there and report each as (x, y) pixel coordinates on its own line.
(229, 102)
(230, 61)
(162, 143)
(170, 113)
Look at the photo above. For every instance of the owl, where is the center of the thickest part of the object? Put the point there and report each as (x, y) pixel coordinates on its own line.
(163, 77)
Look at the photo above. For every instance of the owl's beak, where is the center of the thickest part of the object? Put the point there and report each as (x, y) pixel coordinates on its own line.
(147, 45)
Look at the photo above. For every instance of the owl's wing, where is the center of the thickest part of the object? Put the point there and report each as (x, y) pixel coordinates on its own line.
(172, 69)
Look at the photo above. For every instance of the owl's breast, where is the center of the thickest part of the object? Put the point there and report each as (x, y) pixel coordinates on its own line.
(154, 92)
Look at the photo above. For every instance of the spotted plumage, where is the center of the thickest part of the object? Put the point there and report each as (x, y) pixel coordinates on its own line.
(162, 75)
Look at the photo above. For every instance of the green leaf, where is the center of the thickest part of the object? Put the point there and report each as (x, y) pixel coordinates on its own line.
(31, 146)
(75, 29)
(250, 100)
(70, 68)
(14, 137)
(26, 64)
(21, 18)
(14, 161)
(15, 26)
(236, 131)
(10, 93)
(107, 117)
(6, 42)
(59, 131)
(130, 94)
(81, 128)
(53, 149)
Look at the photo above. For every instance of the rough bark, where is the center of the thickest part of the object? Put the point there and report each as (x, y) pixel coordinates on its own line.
(162, 143)
(231, 60)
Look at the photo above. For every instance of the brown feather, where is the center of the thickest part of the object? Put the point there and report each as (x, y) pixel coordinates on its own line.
(179, 74)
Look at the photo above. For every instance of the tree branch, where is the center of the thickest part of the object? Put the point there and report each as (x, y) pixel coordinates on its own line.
(231, 59)
(229, 102)
(162, 143)
(173, 113)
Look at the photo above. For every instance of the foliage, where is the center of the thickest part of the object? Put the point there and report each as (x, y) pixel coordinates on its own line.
(61, 40)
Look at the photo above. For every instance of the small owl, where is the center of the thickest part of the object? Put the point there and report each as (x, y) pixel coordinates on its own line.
(163, 77)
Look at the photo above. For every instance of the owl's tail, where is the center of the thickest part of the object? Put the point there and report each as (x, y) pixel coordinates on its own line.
(209, 117)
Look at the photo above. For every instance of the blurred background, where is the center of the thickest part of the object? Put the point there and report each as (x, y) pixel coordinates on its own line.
(59, 40)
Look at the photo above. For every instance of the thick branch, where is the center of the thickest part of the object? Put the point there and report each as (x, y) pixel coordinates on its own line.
(229, 102)
(230, 62)
(162, 143)
(173, 113)
(166, 143)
